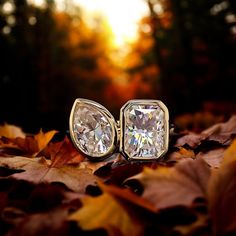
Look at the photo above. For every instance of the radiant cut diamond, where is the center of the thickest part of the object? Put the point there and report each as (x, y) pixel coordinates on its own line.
(144, 131)
(92, 130)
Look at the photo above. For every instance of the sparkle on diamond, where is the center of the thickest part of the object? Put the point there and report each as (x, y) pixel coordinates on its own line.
(92, 130)
(144, 131)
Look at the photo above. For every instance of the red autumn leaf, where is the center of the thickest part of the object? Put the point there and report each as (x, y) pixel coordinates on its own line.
(28, 145)
(174, 186)
(63, 152)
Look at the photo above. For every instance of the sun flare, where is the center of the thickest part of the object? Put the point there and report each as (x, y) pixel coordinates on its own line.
(122, 15)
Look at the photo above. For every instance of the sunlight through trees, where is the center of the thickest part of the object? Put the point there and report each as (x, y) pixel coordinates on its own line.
(51, 55)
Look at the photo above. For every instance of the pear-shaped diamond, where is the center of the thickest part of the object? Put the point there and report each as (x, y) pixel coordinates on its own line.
(93, 128)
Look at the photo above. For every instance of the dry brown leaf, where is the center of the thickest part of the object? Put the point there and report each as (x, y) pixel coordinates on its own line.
(222, 195)
(220, 133)
(47, 223)
(11, 131)
(223, 139)
(114, 159)
(191, 139)
(180, 185)
(39, 170)
(228, 127)
(105, 211)
(213, 158)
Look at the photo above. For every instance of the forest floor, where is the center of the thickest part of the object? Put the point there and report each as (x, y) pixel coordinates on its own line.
(48, 188)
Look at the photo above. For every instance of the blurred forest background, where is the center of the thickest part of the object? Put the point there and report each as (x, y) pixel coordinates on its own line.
(185, 55)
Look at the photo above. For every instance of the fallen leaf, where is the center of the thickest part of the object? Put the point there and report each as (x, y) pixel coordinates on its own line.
(213, 158)
(43, 139)
(38, 170)
(12, 215)
(222, 133)
(28, 145)
(34, 144)
(230, 154)
(223, 139)
(174, 186)
(11, 131)
(64, 152)
(49, 223)
(107, 163)
(105, 211)
(182, 153)
(35, 209)
(222, 195)
(30, 197)
(127, 195)
(10, 149)
(117, 172)
(191, 139)
(222, 128)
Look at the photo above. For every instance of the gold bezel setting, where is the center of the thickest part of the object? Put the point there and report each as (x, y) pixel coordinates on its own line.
(123, 125)
(147, 144)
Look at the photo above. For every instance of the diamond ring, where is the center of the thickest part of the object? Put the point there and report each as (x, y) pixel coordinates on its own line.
(142, 133)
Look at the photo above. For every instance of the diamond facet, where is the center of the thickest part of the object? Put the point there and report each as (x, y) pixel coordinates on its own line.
(92, 129)
(145, 129)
